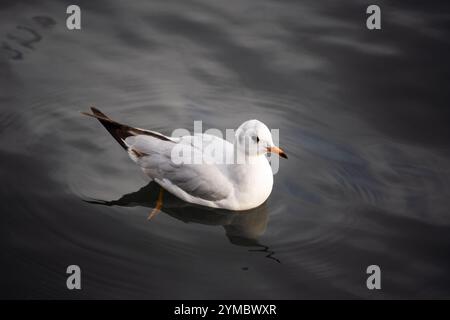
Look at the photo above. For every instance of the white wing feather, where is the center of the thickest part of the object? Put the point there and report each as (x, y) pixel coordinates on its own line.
(203, 181)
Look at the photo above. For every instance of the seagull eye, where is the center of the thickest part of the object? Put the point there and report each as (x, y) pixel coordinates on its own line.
(257, 139)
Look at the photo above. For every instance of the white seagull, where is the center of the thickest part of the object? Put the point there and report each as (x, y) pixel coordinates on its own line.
(228, 185)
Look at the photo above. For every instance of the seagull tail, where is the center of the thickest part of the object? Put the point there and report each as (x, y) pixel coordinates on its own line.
(119, 131)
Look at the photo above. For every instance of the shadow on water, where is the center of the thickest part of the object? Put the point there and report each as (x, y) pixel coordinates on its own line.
(241, 228)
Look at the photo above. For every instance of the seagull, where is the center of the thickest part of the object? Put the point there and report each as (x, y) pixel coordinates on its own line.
(232, 185)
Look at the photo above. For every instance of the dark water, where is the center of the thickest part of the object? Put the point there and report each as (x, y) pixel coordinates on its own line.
(363, 115)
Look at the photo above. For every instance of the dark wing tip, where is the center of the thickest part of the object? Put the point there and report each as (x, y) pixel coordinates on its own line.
(117, 130)
(120, 131)
(98, 112)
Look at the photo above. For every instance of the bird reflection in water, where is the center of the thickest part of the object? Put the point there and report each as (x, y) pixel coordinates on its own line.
(242, 228)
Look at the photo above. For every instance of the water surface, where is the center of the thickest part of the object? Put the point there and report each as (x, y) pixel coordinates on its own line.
(363, 116)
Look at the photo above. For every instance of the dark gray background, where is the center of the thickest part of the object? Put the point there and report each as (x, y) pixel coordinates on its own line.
(363, 116)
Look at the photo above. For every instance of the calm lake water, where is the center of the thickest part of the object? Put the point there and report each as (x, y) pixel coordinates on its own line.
(363, 115)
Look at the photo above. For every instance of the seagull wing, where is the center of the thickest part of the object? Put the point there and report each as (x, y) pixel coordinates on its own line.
(203, 181)
(152, 151)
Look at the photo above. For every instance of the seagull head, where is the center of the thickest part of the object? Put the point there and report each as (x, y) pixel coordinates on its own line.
(254, 138)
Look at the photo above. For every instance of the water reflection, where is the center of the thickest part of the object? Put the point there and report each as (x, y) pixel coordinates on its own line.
(242, 228)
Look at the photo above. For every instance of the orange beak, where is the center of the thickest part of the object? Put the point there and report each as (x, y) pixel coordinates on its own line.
(277, 151)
